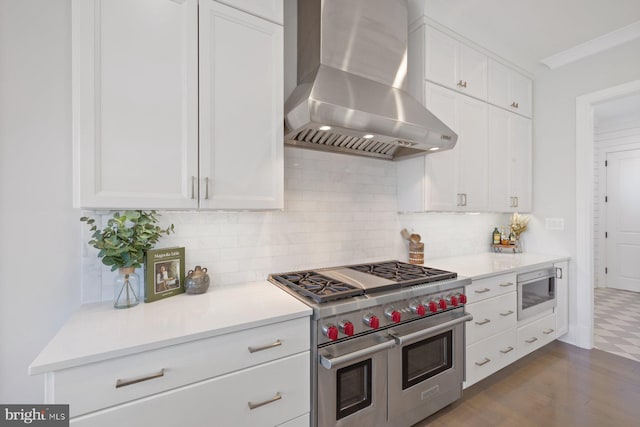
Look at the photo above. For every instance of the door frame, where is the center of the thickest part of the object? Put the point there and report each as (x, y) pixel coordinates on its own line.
(582, 330)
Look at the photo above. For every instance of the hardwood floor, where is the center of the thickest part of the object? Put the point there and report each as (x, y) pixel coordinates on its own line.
(557, 385)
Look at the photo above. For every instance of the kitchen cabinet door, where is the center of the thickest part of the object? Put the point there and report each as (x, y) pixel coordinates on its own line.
(241, 110)
(135, 103)
(509, 89)
(453, 64)
(473, 154)
(510, 161)
(441, 172)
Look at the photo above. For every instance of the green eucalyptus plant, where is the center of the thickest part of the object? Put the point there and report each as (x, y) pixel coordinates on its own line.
(123, 242)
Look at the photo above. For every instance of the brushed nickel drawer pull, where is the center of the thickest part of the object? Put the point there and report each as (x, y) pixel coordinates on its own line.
(483, 322)
(275, 398)
(484, 362)
(508, 313)
(507, 284)
(482, 291)
(532, 340)
(125, 382)
(547, 331)
(276, 343)
(206, 186)
(506, 350)
(193, 187)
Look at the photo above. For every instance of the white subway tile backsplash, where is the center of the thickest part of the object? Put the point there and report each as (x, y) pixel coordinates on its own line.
(339, 210)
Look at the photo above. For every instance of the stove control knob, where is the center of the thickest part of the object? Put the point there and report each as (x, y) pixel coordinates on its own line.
(346, 328)
(372, 321)
(453, 301)
(433, 306)
(393, 315)
(463, 299)
(418, 309)
(442, 304)
(330, 331)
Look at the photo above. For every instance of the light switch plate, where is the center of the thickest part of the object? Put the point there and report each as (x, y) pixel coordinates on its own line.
(554, 223)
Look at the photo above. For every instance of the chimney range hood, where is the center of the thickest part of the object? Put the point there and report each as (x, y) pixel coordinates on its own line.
(350, 98)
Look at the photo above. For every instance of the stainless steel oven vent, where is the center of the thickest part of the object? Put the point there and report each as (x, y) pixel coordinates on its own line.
(352, 77)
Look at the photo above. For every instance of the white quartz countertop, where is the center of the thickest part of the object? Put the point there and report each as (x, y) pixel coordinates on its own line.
(482, 265)
(98, 331)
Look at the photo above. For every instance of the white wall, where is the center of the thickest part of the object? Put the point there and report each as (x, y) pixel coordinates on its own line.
(39, 233)
(554, 147)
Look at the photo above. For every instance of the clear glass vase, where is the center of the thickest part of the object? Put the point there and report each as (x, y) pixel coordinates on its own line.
(126, 288)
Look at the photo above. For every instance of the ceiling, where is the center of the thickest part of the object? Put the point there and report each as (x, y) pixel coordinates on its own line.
(527, 31)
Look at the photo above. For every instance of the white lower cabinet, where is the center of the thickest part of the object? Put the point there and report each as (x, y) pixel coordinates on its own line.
(265, 395)
(489, 356)
(491, 317)
(254, 377)
(534, 335)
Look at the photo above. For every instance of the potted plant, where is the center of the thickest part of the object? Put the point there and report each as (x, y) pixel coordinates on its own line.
(122, 245)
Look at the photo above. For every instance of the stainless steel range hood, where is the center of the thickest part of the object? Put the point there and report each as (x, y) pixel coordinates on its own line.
(350, 98)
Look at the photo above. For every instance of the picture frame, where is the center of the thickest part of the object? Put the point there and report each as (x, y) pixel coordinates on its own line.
(163, 273)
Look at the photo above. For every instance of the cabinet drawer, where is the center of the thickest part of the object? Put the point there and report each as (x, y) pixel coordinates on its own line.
(94, 386)
(278, 392)
(268, 9)
(536, 334)
(490, 355)
(490, 287)
(491, 316)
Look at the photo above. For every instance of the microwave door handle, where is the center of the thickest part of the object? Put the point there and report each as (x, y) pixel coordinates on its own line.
(401, 339)
(334, 362)
(537, 279)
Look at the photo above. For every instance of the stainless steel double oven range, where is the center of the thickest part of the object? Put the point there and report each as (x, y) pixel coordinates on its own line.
(387, 341)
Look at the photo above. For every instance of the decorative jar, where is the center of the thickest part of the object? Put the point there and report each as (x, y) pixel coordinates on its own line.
(197, 281)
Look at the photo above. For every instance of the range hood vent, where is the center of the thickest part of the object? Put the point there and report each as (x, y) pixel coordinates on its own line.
(351, 98)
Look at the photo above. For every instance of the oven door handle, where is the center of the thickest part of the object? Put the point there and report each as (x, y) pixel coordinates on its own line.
(334, 362)
(402, 339)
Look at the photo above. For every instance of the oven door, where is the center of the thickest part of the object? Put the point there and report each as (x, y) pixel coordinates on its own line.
(352, 382)
(426, 369)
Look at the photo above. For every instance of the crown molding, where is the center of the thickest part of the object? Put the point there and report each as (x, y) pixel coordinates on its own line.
(591, 47)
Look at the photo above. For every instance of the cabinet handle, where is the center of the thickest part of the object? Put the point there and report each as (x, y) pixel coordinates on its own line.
(126, 382)
(558, 272)
(514, 104)
(464, 199)
(459, 201)
(506, 284)
(506, 350)
(206, 188)
(516, 202)
(547, 331)
(193, 187)
(532, 340)
(275, 398)
(483, 322)
(508, 313)
(276, 343)
(482, 291)
(484, 361)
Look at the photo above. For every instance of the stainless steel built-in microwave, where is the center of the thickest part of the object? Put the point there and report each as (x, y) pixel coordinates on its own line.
(536, 292)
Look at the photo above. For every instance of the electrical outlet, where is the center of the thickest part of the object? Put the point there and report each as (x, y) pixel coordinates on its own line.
(554, 223)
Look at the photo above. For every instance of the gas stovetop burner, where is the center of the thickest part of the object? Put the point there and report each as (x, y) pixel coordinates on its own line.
(404, 273)
(318, 287)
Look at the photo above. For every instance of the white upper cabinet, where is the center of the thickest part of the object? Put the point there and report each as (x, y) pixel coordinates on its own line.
(453, 180)
(241, 110)
(509, 89)
(453, 64)
(162, 117)
(135, 103)
(509, 161)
